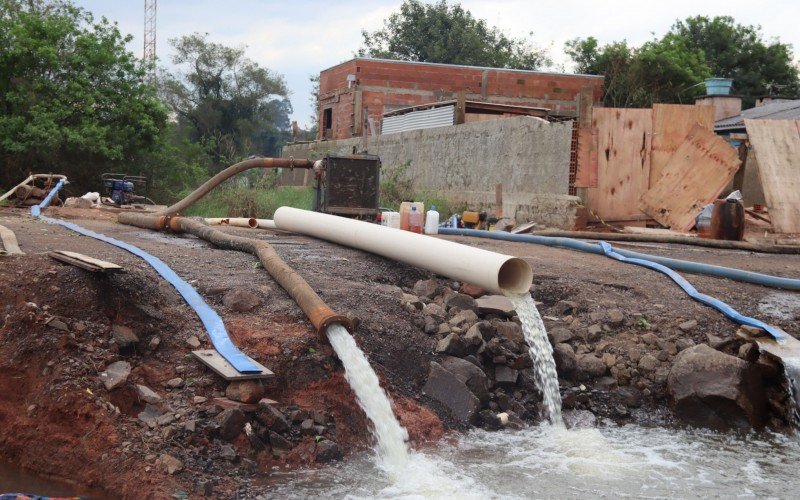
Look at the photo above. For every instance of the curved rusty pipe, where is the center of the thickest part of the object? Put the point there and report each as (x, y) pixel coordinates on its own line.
(229, 172)
(318, 312)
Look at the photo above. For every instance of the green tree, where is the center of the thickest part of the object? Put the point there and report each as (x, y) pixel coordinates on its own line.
(758, 66)
(73, 100)
(443, 33)
(230, 105)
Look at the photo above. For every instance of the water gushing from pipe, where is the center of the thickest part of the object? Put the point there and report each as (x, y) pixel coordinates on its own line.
(544, 366)
(391, 437)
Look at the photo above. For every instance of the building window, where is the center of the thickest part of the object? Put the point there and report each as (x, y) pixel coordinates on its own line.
(327, 123)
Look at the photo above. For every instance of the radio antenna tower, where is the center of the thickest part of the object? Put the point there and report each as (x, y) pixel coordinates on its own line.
(149, 56)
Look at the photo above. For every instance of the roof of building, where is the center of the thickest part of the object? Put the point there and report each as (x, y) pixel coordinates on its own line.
(778, 110)
(475, 106)
(399, 61)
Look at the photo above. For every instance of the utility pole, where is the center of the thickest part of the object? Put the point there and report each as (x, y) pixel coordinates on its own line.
(149, 56)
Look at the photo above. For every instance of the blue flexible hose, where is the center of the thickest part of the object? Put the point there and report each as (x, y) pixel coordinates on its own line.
(210, 319)
(661, 264)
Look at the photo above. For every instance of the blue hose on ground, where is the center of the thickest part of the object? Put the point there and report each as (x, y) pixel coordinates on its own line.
(655, 263)
(210, 319)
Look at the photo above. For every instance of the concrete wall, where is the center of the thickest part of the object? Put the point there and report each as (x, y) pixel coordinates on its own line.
(463, 163)
(383, 85)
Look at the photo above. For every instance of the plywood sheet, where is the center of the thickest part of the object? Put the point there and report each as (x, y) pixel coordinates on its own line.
(623, 161)
(212, 359)
(777, 147)
(695, 175)
(586, 174)
(84, 261)
(671, 125)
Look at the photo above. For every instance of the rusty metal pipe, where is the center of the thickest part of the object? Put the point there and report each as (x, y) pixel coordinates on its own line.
(229, 172)
(318, 312)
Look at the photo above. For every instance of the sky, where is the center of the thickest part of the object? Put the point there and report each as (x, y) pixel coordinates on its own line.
(301, 38)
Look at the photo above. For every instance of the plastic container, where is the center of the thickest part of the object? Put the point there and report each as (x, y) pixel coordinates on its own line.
(718, 86)
(405, 209)
(727, 220)
(414, 220)
(703, 222)
(432, 221)
(393, 220)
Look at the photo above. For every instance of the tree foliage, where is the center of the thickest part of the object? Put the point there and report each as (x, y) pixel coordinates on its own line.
(226, 102)
(443, 33)
(672, 68)
(73, 100)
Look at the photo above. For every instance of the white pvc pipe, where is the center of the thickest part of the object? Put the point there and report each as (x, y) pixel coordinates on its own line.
(232, 221)
(266, 224)
(489, 270)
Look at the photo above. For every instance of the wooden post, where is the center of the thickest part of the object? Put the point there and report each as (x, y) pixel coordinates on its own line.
(498, 200)
(461, 108)
(358, 123)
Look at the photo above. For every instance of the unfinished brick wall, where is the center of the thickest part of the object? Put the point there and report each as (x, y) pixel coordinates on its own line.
(382, 85)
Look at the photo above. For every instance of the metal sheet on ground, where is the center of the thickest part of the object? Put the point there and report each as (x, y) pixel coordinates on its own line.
(221, 367)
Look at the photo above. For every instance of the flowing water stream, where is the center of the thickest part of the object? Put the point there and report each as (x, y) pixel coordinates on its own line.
(544, 367)
(547, 460)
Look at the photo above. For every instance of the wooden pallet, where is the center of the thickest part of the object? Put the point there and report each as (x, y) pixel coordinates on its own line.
(85, 262)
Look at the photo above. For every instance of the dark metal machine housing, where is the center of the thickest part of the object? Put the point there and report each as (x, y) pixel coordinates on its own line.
(349, 185)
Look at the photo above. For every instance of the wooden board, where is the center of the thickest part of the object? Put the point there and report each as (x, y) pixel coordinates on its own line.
(695, 175)
(84, 261)
(586, 173)
(623, 161)
(8, 242)
(777, 147)
(671, 125)
(212, 359)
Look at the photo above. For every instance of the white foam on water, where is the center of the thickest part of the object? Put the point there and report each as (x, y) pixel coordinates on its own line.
(391, 437)
(544, 367)
(780, 305)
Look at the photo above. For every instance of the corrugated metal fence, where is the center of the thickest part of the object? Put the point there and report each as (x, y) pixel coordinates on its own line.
(426, 118)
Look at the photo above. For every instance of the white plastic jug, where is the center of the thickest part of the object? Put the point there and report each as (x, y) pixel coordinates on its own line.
(432, 221)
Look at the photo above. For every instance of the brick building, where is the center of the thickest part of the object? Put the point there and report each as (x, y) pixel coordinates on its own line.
(361, 87)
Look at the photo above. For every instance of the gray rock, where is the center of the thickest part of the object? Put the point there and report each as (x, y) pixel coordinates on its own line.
(444, 329)
(470, 374)
(579, 419)
(648, 363)
(245, 391)
(564, 356)
(560, 335)
(688, 326)
(650, 338)
(78, 202)
(411, 302)
(242, 299)
(435, 311)
(231, 423)
(510, 331)
(683, 344)
(594, 331)
(149, 415)
(589, 366)
(123, 336)
(460, 301)
(328, 451)
(431, 325)
(453, 345)
(749, 352)
(58, 324)
(175, 383)
(279, 444)
(445, 387)
(630, 396)
(170, 463)
(474, 335)
(463, 317)
(272, 418)
(495, 304)
(116, 374)
(147, 395)
(565, 307)
(505, 375)
(193, 342)
(426, 288)
(716, 390)
(615, 317)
